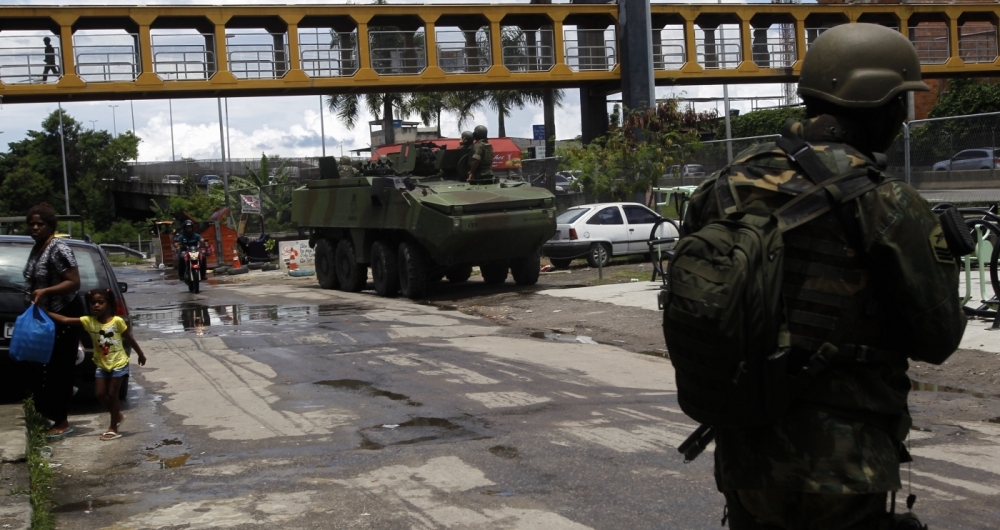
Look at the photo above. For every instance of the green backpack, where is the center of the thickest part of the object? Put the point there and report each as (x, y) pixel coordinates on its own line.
(724, 319)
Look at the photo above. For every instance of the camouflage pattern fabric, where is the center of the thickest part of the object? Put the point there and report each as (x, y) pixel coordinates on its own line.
(845, 434)
(483, 152)
(793, 510)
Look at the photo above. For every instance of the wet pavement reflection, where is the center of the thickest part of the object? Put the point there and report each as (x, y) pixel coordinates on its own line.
(195, 317)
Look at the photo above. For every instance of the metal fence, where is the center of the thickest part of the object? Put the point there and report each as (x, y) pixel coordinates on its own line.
(297, 169)
(954, 159)
(715, 154)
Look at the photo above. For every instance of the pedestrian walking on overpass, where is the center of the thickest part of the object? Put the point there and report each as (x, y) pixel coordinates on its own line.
(50, 60)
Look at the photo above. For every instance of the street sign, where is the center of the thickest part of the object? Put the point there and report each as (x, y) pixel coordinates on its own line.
(250, 203)
(538, 131)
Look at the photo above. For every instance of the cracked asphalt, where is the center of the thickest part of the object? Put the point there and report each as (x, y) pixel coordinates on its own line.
(267, 401)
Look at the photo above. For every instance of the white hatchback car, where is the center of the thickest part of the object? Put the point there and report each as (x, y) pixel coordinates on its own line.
(599, 231)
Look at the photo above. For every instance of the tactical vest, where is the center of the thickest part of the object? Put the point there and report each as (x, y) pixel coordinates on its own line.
(748, 378)
(485, 151)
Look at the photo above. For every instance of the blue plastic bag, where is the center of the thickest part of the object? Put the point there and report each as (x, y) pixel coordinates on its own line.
(34, 336)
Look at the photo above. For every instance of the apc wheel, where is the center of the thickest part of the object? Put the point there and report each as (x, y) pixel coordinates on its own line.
(326, 269)
(412, 271)
(352, 275)
(561, 263)
(385, 269)
(525, 269)
(599, 255)
(494, 272)
(459, 273)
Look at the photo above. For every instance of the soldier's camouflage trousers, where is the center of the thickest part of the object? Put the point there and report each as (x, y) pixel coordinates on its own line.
(791, 510)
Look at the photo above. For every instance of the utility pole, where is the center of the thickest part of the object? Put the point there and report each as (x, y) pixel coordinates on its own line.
(114, 121)
(173, 155)
(62, 144)
(222, 147)
(322, 128)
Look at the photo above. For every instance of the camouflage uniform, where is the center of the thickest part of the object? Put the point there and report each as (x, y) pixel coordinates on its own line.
(483, 152)
(345, 169)
(841, 444)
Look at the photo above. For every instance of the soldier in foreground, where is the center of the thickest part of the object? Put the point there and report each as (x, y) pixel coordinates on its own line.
(481, 166)
(865, 285)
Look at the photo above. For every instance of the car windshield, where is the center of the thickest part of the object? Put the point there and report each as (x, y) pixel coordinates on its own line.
(571, 215)
(14, 255)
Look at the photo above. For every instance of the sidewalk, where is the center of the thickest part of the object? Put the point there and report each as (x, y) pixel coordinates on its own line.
(15, 505)
(643, 295)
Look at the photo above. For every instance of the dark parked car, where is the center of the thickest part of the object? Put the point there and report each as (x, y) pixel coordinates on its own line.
(541, 181)
(209, 180)
(984, 158)
(95, 271)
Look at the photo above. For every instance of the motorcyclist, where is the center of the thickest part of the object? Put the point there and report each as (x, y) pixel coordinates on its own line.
(186, 238)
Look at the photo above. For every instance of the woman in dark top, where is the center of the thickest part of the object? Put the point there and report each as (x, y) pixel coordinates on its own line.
(52, 280)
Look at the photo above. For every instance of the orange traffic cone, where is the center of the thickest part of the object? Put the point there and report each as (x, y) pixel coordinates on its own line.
(236, 262)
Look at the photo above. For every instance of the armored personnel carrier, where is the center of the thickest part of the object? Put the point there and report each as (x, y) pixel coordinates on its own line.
(414, 221)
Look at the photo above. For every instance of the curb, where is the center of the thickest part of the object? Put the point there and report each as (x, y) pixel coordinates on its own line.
(15, 509)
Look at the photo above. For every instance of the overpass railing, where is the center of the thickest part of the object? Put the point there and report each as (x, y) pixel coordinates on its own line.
(25, 60)
(119, 51)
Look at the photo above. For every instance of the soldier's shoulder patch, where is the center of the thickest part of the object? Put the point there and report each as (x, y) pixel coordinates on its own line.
(940, 246)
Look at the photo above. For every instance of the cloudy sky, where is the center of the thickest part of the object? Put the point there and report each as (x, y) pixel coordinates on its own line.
(288, 126)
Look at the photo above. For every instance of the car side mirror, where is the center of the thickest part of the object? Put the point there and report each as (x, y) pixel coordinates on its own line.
(123, 287)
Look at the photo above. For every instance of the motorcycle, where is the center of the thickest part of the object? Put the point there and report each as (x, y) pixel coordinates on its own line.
(191, 269)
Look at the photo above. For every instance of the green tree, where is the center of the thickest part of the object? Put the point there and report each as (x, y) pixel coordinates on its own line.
(381, 106)
(271, 185)
(502, 102)
(760, 122)
(24, 186)
(429, 106)
(630, 159)
(93, 160)
(938, 140)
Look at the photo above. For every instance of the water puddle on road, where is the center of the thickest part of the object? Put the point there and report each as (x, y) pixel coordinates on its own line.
(559, 337)
(504, 451)
(497, 493)
(195, 317)
(414, 431)
(930, 387)
(171, 441)
(177, 461)
(366, 388)
(87, 506)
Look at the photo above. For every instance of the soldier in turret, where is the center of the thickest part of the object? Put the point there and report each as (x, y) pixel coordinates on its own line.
(466, 142)
(345, 168)
(481, 166)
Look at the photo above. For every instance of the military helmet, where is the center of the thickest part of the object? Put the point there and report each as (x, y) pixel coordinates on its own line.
(467, 136)
(345, 160)
(860, 65)
(479, 133)
(188, 223)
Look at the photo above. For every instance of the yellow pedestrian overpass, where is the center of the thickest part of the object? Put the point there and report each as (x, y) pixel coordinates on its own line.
(99, 53)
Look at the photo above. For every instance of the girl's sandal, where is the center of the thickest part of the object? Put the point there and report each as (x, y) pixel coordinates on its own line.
(110, 435)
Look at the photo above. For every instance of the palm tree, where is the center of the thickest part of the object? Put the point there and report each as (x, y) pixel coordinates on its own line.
(347, 107)
(429, 105)
(500, 101)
